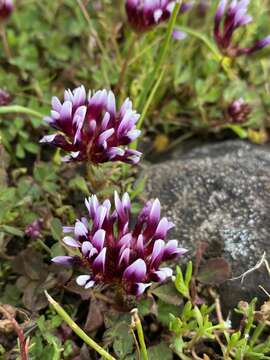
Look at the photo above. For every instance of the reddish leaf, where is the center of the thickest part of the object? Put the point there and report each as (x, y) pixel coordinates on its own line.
(214, 272)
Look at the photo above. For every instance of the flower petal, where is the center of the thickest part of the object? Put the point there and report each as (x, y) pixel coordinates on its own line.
(68, 240)
(98, 239)
(161, 274)
(63, 260)
(136, 271)
(80, 229)
(99, 262)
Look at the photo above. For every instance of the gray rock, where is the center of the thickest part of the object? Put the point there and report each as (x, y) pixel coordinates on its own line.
(220, 194)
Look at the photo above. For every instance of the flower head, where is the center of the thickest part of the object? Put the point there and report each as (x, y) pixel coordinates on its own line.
(239, 111)
(91, 129)
(230, 16)
(202, 7)
(5, 98)
(33, 230)
(6, 8)
(145, 14)
(113, 252)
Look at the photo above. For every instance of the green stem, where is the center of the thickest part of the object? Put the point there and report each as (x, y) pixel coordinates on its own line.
(125, 64)
(77, 329)
(160, 58)
(204, 39)
(137, 322)
(257, 333)
(19, 109)
(218, 56)
(146, 107)
(44, 246)
(150, 99)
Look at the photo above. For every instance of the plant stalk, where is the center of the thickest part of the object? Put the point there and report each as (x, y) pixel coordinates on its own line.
(150, 99)
(257, 333)
(224, 61)
(78, 331)
(147, 106)
(20, 109)
(6, 48)
(125, 64)
(148, 84)
(23, 341)
(137, 323)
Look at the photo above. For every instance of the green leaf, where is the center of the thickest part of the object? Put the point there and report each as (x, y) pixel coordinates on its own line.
(160, 352)
(168, 294)
(20, 153)
(180, 283)
(56, 229)
(31, 147)
(12, 230)
(238, 130)
(79, 183)
(164, 310)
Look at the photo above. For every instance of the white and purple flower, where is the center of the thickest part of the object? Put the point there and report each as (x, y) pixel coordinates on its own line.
(5, 98)
(231, 15)
(145, 14)
(239, 111)
(6, 9)
(113, 253)
(91, 129)
(33, 230)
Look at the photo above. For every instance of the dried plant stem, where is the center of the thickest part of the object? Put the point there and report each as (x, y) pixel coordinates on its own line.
(23, 341)
(5, 41)
(126, 63)
(218, 306)
(97, 38)
(78, 331)
(136, 322)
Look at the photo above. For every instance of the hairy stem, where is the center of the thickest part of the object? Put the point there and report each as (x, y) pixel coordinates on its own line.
(22, 339)
(150, 80)
(78, 331)
(137, 323)
(20, 109)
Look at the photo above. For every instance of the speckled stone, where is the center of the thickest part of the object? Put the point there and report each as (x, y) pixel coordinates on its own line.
(220, 194)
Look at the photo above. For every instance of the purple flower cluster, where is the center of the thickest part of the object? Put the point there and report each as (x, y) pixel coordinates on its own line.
(145, 14)
(91, 129)
(5, 98)
(239, 111)
(230, 16)
(33, 230)
(113, 253)
(6, 8)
